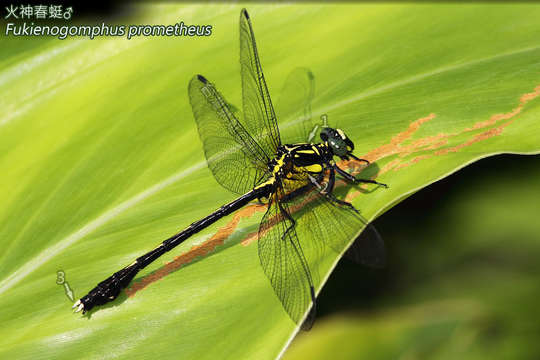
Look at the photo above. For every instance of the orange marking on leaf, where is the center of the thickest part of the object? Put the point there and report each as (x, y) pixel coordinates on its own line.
(438, 141)
(197, 250)
(524, 99)
(413, 161)
(395, 143)
(392, 164)
(426, 143)
(251, 237)
(495, 118)
(413, 127)
(477, 138)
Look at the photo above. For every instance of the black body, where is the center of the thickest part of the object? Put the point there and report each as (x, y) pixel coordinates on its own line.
(110, 288)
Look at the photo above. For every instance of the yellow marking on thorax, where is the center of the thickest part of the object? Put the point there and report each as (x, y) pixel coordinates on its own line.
(291, 148)
(270, 181)
(311, 151)
(315, 168)
(279, 164)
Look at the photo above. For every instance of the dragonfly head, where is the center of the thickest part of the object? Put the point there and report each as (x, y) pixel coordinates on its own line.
(338, 142)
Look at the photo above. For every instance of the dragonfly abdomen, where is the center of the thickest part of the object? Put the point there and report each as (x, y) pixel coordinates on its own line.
(110, 288)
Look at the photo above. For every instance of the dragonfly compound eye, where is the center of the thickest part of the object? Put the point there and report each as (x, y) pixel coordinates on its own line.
(338, 146)
(337, 141)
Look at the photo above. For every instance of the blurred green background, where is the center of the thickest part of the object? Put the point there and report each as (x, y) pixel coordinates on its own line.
(462, 281)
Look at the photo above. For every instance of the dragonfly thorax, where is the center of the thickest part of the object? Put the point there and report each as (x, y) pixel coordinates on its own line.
(294, 160)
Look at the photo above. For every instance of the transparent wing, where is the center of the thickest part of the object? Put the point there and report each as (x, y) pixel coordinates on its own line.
(368, 249)
(291, 262)
(283, 260)
(329, 224)
(335, 226)
(259, 116)
(294, 107)
(236, 160)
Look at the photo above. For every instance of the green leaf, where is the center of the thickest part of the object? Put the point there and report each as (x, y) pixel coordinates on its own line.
(100, 159)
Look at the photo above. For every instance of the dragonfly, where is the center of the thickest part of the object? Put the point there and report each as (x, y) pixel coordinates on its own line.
(294, 180)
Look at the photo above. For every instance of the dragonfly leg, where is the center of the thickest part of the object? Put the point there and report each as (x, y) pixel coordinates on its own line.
(358, 159)
(352, 179)
(327, 191)
(335, 200)
(331, 182)
(329, 187)
(288, 217)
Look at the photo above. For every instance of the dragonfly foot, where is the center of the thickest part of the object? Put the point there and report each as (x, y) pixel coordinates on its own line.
(370, 182)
